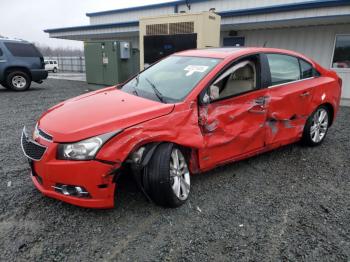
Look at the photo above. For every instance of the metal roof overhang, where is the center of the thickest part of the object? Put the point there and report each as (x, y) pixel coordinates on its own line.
(96, 35)
(116, 31)
(259, 10)
(287, 23)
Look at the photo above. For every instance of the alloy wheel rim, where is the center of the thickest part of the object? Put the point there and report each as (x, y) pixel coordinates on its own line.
(19, 81)
(319, 125)
(179, 175)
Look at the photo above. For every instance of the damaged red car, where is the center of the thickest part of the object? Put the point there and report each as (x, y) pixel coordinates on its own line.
(186, 114)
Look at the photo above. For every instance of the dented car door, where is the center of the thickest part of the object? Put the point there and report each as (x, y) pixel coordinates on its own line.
(233, 124)
(290, 94)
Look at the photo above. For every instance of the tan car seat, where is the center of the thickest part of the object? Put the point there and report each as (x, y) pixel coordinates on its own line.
(242, 80)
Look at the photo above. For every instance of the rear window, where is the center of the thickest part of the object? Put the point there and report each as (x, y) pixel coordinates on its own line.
(307, 70)
(22, 50)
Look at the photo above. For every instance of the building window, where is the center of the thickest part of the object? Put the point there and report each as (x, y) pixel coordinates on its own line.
(341, 56)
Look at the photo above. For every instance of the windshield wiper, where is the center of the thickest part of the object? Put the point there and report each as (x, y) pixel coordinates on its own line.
(137, 83)
(156, 91)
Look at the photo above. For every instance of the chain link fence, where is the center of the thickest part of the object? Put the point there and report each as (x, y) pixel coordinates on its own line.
(74, 64)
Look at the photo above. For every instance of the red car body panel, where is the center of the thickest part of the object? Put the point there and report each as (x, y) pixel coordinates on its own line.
(98, 113)
(217, 133)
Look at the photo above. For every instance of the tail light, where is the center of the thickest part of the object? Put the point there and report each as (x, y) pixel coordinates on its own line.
(42, 62)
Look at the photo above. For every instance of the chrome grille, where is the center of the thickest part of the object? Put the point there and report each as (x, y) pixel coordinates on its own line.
(45, 135)
(30, 148)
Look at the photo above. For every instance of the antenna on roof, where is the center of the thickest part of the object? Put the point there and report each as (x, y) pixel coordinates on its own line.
(265, 44)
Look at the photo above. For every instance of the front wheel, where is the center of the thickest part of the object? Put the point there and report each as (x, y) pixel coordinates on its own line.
(316, 127)
(167, 176)
(55, 70)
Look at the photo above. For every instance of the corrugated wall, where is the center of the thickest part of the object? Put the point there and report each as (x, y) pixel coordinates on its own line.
(219, 5)
(224, 5)
(316, 42)
(130, 16)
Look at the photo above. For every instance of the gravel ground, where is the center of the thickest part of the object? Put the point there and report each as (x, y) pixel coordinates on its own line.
(292, 204)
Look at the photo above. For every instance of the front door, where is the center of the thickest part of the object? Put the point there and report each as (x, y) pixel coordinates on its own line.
(290, 95)
(233, 122)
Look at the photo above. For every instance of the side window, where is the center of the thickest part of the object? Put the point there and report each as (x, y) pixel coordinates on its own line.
(55, 62)
(238, 79)
(306, 68)
(283, 68)
(51, 62)
(1, 53)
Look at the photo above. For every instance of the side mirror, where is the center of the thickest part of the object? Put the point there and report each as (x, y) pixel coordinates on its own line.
(214, 92)
(210, 95)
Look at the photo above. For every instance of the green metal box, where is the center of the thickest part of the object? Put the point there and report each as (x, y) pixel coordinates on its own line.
(110, 62)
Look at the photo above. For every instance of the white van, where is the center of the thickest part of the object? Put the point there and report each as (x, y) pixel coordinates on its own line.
(51, 65)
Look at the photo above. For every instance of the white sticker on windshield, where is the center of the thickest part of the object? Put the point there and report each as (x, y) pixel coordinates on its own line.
(195, 68)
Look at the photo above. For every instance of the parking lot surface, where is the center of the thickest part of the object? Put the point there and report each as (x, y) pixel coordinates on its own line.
(292, 204)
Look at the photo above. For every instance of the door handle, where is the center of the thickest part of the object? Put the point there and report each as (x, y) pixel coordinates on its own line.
(260, 101)
(257, 109)
(305, 94)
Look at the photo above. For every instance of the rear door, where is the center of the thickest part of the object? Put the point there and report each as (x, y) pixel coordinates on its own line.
(290, 94)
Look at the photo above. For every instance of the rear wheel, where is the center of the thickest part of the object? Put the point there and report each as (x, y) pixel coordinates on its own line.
(18, 81)
(167, 176)
(316, 127)
(55, 70)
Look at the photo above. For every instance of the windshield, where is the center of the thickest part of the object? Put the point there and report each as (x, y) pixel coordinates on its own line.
(172, 79)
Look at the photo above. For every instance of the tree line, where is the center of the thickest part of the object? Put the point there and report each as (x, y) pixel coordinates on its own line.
(59, 51)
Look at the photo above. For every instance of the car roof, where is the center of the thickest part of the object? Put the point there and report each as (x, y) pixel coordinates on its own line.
(13, 40)
(232, 52)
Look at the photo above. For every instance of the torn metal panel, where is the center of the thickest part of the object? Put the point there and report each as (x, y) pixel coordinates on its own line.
(232, 127)
(180, 127)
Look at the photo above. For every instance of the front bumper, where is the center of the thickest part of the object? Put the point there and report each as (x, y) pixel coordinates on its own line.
(91, 176)
(94, 176)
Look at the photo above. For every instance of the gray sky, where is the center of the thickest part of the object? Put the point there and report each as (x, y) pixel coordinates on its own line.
(26, 19)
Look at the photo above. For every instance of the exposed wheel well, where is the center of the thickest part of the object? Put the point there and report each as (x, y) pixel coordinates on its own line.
(150, 148)
(17, 68)
(331, 112)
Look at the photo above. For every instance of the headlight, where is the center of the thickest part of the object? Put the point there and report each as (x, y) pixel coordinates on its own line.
(85, 149)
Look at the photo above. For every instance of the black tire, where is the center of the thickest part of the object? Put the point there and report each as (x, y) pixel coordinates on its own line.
(4, 85)
(309, 139)
(157, 180)
(23, 76)
(55, 70)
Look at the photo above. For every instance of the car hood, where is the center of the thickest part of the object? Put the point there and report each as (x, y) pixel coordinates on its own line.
(97, 113)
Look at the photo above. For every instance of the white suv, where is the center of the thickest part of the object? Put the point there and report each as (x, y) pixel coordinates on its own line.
(51, 65)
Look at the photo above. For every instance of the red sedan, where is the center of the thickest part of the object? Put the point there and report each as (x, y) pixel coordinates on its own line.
(186, 114)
